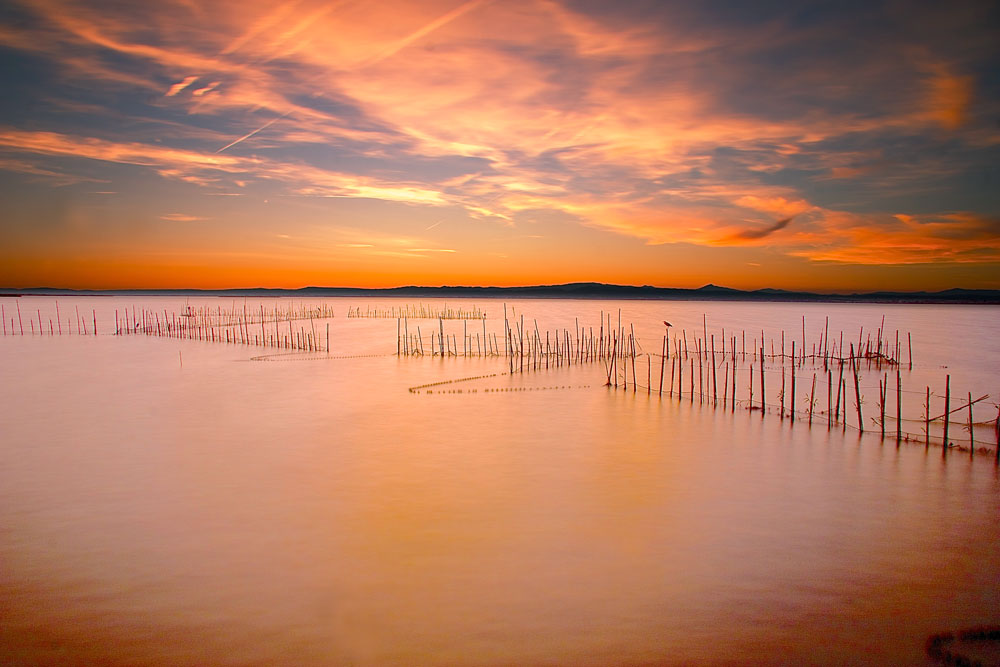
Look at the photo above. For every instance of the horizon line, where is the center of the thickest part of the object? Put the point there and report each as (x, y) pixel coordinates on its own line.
(707, 289)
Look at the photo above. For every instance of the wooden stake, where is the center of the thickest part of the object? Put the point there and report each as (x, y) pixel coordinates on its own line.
(840, 383)
(632, 342)
(881, 403)
(663, 359)
(972, 440)
(829, 398)
(899, 409)
(996, 430)
(812, 399)
(843, 414)
(927, 419)
(763, 395)
(725, 387)
(857, 393)
(704, 334)
(676, 361)
(791, 397)
(715, 377)
(803, 339)
(732, 400)
(826, 341)
(947, 410)
(782, 413)
(692, 379)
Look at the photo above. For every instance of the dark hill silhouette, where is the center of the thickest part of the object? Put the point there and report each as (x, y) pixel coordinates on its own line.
(583, 290)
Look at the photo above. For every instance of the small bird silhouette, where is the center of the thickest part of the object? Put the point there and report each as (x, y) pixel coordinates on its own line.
(667, 324)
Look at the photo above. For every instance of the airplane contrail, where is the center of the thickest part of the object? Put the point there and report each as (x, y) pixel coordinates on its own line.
(389, 52)
(427, 29)
(250, 134)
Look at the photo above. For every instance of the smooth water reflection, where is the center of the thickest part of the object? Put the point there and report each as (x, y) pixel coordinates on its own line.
(201, 508)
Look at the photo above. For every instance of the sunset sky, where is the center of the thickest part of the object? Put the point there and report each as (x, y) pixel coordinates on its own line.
(180, 143)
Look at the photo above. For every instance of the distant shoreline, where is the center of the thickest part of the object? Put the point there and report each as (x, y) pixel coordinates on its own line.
(565, 291)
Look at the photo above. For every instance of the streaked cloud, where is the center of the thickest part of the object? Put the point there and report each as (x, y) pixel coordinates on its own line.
(766, 231)
(657, 123)
(180, 85)
(181, 217)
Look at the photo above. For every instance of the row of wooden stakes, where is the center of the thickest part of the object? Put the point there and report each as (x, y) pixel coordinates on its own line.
(54, 328)
(258, 331)
(707, 389)
(418, 312)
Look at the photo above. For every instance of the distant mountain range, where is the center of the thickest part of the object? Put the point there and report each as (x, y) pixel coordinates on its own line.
(570, 290)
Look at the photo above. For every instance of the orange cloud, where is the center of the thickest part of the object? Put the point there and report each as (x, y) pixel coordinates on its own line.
(903, 239)
(591, 119)
(948, 97)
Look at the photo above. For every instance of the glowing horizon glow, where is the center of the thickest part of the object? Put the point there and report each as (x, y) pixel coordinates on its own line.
(478, 142)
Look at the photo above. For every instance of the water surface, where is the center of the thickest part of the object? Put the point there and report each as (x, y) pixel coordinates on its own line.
(176, 502)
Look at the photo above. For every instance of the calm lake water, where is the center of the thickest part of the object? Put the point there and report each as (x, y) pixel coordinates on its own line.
(177, 502)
